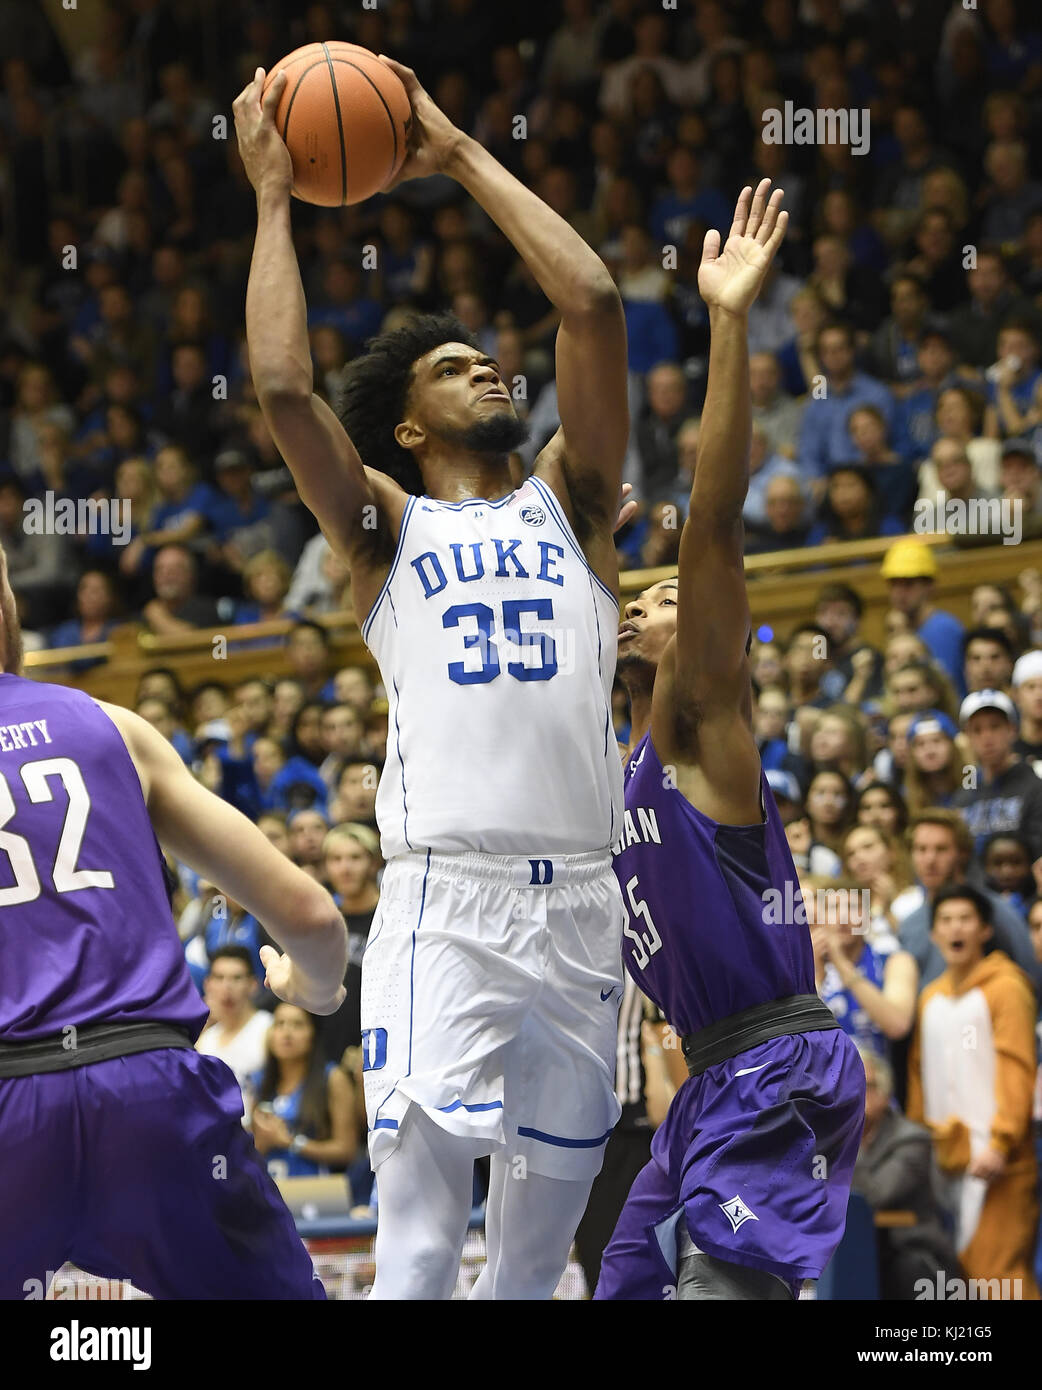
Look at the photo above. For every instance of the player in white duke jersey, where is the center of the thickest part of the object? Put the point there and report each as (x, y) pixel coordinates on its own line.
(493, 973)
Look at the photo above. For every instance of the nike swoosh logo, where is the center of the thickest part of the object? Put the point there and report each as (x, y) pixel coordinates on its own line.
(606, 997)
(746, 1070)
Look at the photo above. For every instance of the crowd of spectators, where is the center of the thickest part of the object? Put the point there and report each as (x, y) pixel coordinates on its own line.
(895, 348)
(894, 359)
(908, 780)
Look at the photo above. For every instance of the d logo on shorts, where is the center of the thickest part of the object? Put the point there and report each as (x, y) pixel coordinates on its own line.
(542, 871)
(374, 1048)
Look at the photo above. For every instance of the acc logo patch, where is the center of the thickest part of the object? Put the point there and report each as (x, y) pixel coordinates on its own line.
(533, 516)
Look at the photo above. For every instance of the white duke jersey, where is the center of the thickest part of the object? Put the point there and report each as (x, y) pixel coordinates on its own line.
(497, 645)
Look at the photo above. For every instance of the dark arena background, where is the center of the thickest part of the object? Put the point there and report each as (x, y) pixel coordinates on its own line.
(161, 558)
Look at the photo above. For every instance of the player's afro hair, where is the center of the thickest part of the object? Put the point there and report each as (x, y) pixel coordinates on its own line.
(375, 387)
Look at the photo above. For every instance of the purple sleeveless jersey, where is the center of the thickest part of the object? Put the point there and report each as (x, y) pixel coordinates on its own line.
(86, 932)
(86, 936)
(697, 942)
(756, 1154)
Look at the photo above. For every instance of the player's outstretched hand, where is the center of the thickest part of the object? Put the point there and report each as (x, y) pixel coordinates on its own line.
(433, 139)
(730, 277)
(261, 147)
(282, 979)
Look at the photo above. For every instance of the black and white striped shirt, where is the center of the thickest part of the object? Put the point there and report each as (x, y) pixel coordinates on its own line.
(629, 1068)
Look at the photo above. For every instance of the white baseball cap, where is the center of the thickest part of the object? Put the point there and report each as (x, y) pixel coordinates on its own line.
(987, 699)
(1028, 668)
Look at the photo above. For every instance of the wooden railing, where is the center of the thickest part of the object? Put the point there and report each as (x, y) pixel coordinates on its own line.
(782, 590)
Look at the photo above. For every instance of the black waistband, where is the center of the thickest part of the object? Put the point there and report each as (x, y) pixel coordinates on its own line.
(78, 1047)
(796, 1013)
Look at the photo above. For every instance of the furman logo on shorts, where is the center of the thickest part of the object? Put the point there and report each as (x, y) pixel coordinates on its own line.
(736, 1212)
(374, 1048)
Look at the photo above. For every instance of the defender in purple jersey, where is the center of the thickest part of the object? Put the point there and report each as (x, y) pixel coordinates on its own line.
(121, 1147)
(746, 1192)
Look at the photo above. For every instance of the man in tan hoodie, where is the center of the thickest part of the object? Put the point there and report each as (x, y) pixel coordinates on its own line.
(971, 1074)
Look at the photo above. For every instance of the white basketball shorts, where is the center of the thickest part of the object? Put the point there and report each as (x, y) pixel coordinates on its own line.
(490, 997)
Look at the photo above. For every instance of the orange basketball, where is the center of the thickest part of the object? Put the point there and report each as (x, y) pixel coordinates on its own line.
(345, 118)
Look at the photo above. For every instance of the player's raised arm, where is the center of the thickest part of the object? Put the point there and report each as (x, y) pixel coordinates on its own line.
(325, 465)
(586, 472)
(230, 852)
(709, 680)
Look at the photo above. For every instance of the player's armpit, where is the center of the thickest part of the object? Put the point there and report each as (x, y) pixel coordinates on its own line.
(585, 506)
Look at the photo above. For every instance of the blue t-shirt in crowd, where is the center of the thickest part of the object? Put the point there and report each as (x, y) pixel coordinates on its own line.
(651, 335)
(201, 499)
(671, 215)
(943, 634)
(851, 1015)
(243, 930)
(70, 634)
(824, 437)
(284, 1163)
(357, 321)
(225, 515)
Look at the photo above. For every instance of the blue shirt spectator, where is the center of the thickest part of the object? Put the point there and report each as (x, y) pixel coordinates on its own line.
(235, 929)
(227, 515)
(944, 635)
(285, 1163)
(910, 569)
(200, 500)
(686, 201)
(825, 437)
(74, 633)
(850, 1014)
(763, 467)
(651, 335)
(344, 304)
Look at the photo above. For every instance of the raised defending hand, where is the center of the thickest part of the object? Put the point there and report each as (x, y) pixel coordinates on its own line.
(261, 147)
(432, 136)
(730, 278)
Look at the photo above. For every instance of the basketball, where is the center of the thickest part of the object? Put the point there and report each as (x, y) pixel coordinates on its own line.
(345, 118)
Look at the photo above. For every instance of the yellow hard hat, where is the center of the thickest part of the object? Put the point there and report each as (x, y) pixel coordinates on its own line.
(909, 560)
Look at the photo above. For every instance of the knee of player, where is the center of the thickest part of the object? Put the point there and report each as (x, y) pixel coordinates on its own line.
(431, 1252)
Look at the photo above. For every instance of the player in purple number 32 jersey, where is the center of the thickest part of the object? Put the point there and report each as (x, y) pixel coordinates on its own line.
(122, 1148)
(745, 1194)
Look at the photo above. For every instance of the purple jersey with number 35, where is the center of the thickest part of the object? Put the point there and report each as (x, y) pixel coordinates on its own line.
(756, 1154)
(701, 939)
